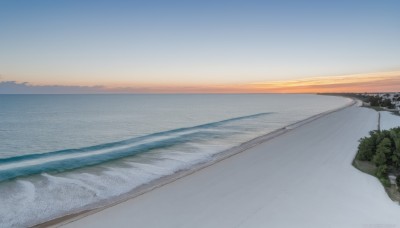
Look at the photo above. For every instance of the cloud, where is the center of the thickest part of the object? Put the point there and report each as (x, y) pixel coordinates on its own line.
(12, 87)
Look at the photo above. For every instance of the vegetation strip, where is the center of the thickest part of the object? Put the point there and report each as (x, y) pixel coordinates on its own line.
(379, 155)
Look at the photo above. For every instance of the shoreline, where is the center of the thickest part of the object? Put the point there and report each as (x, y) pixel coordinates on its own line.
(162, 181)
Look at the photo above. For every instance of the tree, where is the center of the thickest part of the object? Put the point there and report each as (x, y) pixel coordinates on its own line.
(395, 159)
(383, 151)
(366, 149)
(381, 171)
(387, 103)
(374, 101)
(381, 135)
(379, 158)
(385, 146)
(395, 136)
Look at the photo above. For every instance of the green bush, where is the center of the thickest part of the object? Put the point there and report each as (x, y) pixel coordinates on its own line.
(365, 149)
(385, 182)
(383, 149)
(379, 158)
(381, 172)
(385, 146)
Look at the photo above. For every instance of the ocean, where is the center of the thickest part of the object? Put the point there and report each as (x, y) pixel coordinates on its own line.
(65, 153)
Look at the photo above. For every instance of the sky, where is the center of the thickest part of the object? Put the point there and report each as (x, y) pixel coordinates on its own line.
(60, 46)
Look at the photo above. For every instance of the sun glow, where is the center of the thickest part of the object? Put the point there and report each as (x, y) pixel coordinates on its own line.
(372, 82)
(356, 83)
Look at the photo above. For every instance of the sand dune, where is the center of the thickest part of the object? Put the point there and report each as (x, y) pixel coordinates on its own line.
(302, 178)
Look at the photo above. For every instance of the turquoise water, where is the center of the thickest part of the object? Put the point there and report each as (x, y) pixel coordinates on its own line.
(62, 153)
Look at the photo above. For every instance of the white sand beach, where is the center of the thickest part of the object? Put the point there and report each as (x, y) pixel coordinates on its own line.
(389, 120)
(303, 178)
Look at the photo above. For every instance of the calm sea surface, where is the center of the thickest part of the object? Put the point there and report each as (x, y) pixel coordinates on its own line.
(61, 153)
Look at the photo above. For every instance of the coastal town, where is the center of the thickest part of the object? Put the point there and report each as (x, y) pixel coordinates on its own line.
(386, 101)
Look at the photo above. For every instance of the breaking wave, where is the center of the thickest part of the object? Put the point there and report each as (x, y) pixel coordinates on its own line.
(59, 161)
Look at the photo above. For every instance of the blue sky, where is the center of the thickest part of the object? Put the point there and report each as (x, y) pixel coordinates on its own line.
(128, 43)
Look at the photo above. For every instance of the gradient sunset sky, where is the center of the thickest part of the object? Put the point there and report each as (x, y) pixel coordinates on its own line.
(200, 46)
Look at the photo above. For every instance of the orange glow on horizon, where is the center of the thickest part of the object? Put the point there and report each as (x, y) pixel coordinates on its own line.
(373, 82)
(359, 83)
